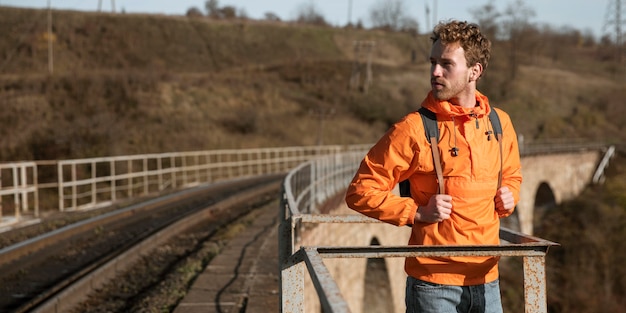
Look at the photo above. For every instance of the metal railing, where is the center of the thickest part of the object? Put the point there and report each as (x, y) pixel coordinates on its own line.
(88, 183)
(309, 185)
(18, 186)
(558, 146)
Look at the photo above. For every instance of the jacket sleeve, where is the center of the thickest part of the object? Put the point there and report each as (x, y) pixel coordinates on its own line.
(387, 163)
(511, 166)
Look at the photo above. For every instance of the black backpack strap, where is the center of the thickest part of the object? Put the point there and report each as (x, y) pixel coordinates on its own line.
(429, 119)
(497, 129)
(431, 131)
(405, 188)
(495, 123)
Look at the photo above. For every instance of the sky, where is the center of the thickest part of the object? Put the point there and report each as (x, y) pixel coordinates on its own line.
(584, 15)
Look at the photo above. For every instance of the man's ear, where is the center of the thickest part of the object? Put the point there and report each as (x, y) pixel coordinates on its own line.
(476, 71)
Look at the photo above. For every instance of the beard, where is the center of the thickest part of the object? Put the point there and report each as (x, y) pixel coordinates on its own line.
(446, 90)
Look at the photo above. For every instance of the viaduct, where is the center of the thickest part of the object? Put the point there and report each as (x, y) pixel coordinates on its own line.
(367, 285)
(551, 175)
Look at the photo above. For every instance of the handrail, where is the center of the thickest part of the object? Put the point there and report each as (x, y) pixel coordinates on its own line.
(77, 184)
(19, 181)
(302, 194)
(598, 176)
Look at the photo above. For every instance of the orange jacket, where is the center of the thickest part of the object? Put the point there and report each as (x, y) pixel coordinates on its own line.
(471, 179)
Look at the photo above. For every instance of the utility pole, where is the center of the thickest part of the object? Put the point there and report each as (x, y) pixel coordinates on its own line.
(360, 48)
(323, 114)
(427, 19)
(350, 12)
(615, 19)
(112, 5)
(434, 13)
(50, 38)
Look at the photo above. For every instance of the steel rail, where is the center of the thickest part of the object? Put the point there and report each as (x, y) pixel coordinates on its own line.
(74, 289)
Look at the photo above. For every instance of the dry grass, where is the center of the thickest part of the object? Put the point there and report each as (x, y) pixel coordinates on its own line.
(127, 84)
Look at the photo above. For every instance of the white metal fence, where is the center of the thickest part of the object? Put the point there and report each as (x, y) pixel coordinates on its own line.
(88, 183)
(18, 188)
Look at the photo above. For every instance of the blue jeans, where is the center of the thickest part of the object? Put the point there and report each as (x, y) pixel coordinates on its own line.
(425, 297)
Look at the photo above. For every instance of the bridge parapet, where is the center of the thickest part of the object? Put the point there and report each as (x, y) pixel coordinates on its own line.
(558, 146)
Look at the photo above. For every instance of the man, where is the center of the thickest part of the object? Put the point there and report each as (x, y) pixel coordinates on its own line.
(476, 194)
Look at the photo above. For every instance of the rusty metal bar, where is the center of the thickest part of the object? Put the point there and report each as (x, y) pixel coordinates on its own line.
(292, 284)
(327, 218)
(433, 251)
(291, 270)
(328, 291)
(535, 284)
(533, 254)
(507, 235)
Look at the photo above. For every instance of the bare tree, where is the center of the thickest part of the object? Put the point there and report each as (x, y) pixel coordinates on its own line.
(409, 25)
(388, 14)
(228, 12)
(194, 12)
(487, 18)
(516, 24)
(212, 8)
(308, 13)
(242, 13)
(271, 16)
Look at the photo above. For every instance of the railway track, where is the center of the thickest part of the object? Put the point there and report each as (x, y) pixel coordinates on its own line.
(57, 271)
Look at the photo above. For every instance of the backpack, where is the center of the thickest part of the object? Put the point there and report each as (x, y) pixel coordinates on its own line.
(429, 119)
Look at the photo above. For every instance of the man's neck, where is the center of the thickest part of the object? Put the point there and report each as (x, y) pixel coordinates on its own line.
(464, 102)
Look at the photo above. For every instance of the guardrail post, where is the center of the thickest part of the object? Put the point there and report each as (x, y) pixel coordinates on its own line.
(16, 196)
(292, 288)
(74, 191)
(36, 192)
(160, 172)
(94, 185)
(146, 181)
(313, 192)
(174, 174)
(24, 179)
(129, 172)
(61, 187)
(535, 284)
(183, 166)
(113, 180)
(291, 283)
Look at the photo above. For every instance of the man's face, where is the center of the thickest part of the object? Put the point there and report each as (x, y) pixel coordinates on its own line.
(449, 74)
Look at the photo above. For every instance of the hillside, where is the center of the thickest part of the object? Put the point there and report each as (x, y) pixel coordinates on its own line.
(128, 84)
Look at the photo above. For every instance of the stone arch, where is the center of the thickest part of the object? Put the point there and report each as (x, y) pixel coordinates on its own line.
(377, 293)
(545, 200)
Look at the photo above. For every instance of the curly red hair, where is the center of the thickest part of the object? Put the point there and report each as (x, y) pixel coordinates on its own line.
(476, 46)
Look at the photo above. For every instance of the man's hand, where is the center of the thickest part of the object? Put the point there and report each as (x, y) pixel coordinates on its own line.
(439, 208)
(504, 199)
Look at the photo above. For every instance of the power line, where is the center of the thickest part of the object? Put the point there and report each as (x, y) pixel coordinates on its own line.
(112, 6)
(614, 20)
(50, 39)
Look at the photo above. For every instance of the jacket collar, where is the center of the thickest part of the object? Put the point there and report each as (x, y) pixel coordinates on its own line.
(445, 108)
